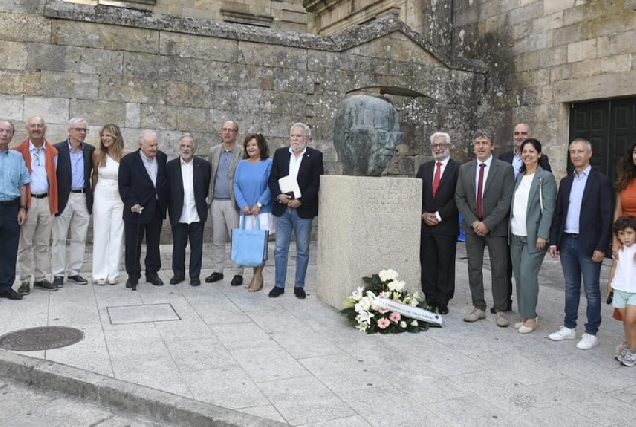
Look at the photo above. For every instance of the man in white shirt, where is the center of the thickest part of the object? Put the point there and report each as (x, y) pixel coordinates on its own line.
(188, 182)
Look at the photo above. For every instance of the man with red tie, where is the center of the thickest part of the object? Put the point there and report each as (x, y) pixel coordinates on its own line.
(440, 224)
(483, 195)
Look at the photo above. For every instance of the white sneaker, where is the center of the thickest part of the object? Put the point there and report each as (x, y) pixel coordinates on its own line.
(587, 342)
(563, 334)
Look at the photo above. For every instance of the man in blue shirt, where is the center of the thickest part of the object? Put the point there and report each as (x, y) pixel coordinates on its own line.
(75, 202)
(581, 232)
(13, 211)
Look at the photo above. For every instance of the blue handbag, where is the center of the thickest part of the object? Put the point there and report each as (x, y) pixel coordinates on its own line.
(249, 247)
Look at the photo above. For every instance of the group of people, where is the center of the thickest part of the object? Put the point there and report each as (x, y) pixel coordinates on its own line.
(511, 206)
(47, 189)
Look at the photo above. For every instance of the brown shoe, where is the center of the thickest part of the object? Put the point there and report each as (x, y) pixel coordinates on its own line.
(475, 315)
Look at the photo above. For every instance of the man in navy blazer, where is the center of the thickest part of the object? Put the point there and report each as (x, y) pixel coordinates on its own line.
(581, 232)
(521, 132)
(294, 208)
(74, 201)
(440, 224)
(188, 181)
(142, 187)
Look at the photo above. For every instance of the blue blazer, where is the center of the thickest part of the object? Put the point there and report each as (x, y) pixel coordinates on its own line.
(597, 213)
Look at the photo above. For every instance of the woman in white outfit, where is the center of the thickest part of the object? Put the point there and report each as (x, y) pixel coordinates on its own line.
(108, 225)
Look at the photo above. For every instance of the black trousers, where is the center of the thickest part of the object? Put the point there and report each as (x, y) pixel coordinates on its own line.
(10, 237)
(437, 256)
(181, 233)
(134, 234)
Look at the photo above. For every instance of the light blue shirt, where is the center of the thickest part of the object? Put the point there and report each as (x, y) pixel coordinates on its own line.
(516, 163)
(13, 175)
(250, 184)
(77, 167)
(222, 179)
(151, 167)
(39, 180)
(576, 197)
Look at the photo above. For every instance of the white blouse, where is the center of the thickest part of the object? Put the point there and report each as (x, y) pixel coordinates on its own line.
(520, 208)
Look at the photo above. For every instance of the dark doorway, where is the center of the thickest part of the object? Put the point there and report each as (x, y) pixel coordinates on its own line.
(610, 125)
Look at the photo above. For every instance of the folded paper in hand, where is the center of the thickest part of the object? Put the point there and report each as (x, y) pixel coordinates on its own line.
(288, 184)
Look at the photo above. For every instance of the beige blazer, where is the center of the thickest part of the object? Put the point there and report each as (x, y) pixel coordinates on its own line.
(215, 155)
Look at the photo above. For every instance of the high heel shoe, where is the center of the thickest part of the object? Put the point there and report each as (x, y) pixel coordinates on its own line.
(257, 284)
(523, 329)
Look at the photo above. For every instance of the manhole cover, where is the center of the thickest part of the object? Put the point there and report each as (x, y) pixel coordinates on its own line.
(42, 338)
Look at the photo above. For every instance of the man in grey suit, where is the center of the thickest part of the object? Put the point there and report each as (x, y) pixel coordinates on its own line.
(224, 158)
(483, 194)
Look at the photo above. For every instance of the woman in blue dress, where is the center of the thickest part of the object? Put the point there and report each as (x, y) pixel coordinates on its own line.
(252, 192)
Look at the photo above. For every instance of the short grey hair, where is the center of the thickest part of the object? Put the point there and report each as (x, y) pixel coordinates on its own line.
(441, 135)
(305, 127)
(484, 133)
(76, 121)
(147, 132)
(189, 135)
(587, 143)
(10, 124)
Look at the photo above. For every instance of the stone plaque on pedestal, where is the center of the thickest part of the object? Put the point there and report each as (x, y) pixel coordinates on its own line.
(367, 224)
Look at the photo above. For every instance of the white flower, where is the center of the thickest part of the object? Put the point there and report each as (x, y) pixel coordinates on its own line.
(364, 304)
(399, 285)
(364, 317)
(357, 294)
(370, 295)
(417, 296)
(363, 326)
(414, 323)
(391, 285)
(402, 324)
(413, 302)
(388, 275)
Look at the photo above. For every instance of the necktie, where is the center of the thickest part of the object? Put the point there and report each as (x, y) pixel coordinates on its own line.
(436, 178)
(480, 196)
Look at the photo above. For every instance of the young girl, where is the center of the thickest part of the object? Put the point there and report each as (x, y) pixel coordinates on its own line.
(622, 281)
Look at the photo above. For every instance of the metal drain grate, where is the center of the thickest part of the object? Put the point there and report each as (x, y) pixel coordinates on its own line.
(42, 338)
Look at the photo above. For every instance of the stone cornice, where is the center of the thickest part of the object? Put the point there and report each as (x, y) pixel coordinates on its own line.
(348, 39)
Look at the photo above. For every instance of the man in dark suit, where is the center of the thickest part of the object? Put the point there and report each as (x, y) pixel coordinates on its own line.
(296, 204)
(440, 224)
(581, 232)
(75, 203)
(521, 132)
(188, 181)
(483, 194)
(142, 187)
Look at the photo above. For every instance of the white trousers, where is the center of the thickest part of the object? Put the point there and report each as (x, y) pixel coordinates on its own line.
(225, 217)
(75, 213)
(35, 238)
(108, 231)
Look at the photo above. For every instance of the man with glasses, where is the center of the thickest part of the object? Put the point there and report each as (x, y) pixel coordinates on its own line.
(13, 210)
(223, 158)
(440, 224)
(75, 202)
(41, 201)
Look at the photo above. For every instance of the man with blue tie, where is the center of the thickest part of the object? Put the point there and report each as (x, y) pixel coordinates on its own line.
(13, 209)
(581, 232)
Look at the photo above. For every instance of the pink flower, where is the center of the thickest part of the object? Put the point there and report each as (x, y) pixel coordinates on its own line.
(395, 317)
(382, 310)
(383, 322)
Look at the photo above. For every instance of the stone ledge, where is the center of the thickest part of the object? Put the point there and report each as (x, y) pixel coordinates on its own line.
(125, 396)
(348, 39)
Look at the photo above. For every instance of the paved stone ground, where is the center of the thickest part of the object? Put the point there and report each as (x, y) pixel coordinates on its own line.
(300, 363)
(25, 406)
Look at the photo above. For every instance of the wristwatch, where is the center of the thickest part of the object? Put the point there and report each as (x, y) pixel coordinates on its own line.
(26, 209)
(259, 204)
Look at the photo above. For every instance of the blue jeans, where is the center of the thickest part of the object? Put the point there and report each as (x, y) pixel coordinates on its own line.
(576, 264)
(285, 223)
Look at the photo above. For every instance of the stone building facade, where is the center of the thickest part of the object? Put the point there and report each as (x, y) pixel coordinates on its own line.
(567, 67)
(175, 74)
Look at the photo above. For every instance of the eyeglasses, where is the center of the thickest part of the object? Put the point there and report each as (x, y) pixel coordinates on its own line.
(439, 145)
(228, 130)
(80, 130)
